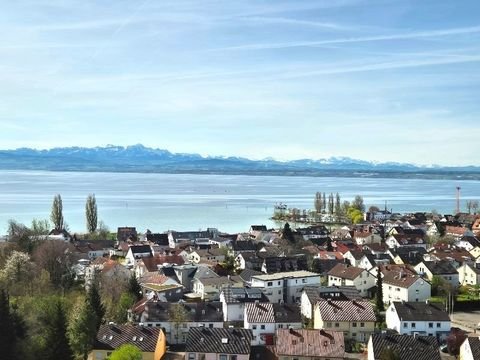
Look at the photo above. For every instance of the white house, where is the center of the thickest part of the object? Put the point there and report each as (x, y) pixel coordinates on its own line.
(341, 275)
(443, 269)
(285, 286)
(470, 348)
(398, 286)
(233, 301)
(407, 347)
(137, 252)
(469, 274)
(364, 238)
(418, 318)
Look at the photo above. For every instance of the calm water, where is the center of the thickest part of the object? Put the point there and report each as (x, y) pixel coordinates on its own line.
(161, 202)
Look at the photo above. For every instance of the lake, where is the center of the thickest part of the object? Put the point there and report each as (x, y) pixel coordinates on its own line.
(231, 203)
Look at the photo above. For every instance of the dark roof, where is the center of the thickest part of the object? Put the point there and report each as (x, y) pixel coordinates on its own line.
(310, 343)
(323, 266)
(244, 245)
(110, 337)
(474, 343)
(259, 313)
(287, 313)
(315, 293)
(124, 233)
(400, 279)
(408, 347)
(139, 249)
(158, 239)
(216, 340)
(246, 275)
(258, 228)
(283, 263)
(441, 267)
(243, 295)
(346, 272)
(156, 311)
(420, 311)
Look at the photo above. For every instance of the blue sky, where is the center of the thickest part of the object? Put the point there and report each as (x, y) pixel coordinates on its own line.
(379, 80)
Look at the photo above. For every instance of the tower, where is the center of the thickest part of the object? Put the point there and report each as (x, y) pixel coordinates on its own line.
(457, 210)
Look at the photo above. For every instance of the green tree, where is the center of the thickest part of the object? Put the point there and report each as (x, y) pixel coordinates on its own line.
(18, 273)
(355, 215)
(338, 206)
(126, 352)
(324, 202)
(134, 287)
(83, 330)
(53, 321)
(7, 328)
(318, 202)
(331, 205)
(329, 244)
(379, 294)
(438, 285)
(121, 308)
(57, 213)
(94, 303)
(91, 213)
(287, 233)
(178, 316)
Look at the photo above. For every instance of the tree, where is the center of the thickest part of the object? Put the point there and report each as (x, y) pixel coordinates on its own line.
(126, 352)
(125, 303)
(17, 272)
(329, 244)
(54, 256)
(94, 303)
(178, 316)
(53, 321)
(330, 204)
(287, 233)
(389, 354)
(318, 202)
(438, 285)
(83, 329)
(134, 287)
(355, 215)
(57, 213)
(475, 206)
(7, 328)
(358, 203)
(373, 209)
(324, 202)
(379, 294)
(91, 213)
(338, 205)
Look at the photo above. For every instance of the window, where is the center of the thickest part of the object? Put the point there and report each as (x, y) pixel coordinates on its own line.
(405, 325)
(413, 325)
(210, 326)
(233, 357)
(262, 327)
(191, 356)
(329, 324)
(223, 357)
(365, 281)
(279, 292)
(354, 324)
(337, 325)
(304, 281)
(201, 356)
(354, 334)
(280, 326)
(254, 327)
(438, 325)
(362, 324)
(269, 283)
(430, 325)
(278, 283)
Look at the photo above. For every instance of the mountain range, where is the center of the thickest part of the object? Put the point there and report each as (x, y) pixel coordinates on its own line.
(138, 158)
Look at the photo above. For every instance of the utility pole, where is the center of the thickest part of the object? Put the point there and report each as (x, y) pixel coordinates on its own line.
(458, 200)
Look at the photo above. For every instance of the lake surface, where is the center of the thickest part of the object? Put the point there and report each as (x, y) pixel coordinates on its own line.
(231, 203)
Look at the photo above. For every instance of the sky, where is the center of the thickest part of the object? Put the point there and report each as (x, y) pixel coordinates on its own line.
(378, 80)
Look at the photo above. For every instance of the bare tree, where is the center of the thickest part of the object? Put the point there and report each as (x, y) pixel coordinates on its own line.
(178, 316)
(54, 256)
(91, 213)
(469, 205)
(318, 202)
(57, 213)
(475, 206)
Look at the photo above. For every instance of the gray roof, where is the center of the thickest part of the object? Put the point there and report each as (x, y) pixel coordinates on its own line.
(408, 347)
(287, 313)
(243, 295)
(110, 337)
(246, 275)
(156, 311)
(224, 341)
(420, 311)
(441, 267)
(315, 293)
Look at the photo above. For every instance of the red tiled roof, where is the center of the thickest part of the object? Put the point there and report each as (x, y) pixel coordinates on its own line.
(151, 263)
(310, 343)
(345, 272)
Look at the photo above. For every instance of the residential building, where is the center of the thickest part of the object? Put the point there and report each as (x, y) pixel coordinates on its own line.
(136, 252)
(233, 301)
(285, 286)
(312, 294)
(470, 349)
(401, 286)
(406, 347)
(126, 233)
(343, 274)
(420, 318)
(356, 319)
(469, 274)
(364, 238)
(308, 344)
(150, 341)
(442, 269)
(209, 288)
(218, 344)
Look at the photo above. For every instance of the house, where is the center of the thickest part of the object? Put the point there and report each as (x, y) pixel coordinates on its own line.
(150, 341)
(257, 230)
(470, 348)
(364, 238)
(243, 246)
(342, 275)
(467, 242)
(402, 286)
(263, 319)
(356, 319)
(137, 252)
(407, 254)
(443, 269)
(248, 260)
(420, 318)
(177, 319)
(93, 249)
(406, 347)
(209, 288)
(285, 286)
(457, 257)
(233, 301)
(275, 264)
(212, 256)
(309, 344)
(218, 344)
(312, 294)
(246, 276)
(469, 274)
(399, 240)
(360, 259)
(176, 238)
(126, 233)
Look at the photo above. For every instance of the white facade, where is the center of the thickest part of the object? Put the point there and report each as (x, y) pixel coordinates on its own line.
(285, 287)
(306, 307)
(259, 331)
(420, 290)
(440, 329)
(452, 279)
(467, 275)
(362, 282)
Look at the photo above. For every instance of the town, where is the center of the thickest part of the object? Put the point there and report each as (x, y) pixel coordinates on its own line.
(387, 286)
